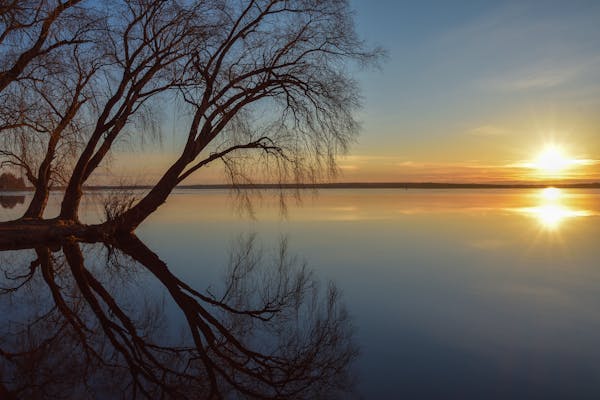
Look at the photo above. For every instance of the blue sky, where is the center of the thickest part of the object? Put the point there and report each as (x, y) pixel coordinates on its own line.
(470, 89)
(458, 72)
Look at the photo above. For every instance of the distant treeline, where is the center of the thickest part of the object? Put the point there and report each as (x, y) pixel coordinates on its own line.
(11, 182)
(388, 185)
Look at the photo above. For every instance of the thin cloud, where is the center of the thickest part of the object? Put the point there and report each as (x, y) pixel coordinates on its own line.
(542, 75)
(574, 163)
(488, 130)
(531, 47)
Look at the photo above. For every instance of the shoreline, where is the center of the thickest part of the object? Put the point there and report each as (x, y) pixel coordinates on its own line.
(343, 185)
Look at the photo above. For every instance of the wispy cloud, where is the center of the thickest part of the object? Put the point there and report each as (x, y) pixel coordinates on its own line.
(534, 78)
(488, 130)
(542, 75)
(582, 162)
(468, 171)
(526, 46)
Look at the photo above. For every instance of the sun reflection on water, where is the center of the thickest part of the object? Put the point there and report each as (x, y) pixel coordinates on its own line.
(553, 209)
(550, 194)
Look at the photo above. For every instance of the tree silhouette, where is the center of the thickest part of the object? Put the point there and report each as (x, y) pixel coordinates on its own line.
(265, 78)
(9, 181)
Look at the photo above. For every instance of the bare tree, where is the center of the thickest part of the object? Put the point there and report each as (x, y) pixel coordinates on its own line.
(51, 54)
(266, 84)
(148, 50)
(44, 145)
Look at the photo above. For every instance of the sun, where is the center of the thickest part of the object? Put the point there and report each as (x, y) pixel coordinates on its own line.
(552, 160)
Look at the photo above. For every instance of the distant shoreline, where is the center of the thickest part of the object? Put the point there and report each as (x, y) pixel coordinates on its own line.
(352, 185)
(400, 185)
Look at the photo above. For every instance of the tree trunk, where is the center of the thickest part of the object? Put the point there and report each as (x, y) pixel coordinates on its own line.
(26, 234)
(70, 204)
(42, 190)
(86, 164)
(132, 218)
(38, 203)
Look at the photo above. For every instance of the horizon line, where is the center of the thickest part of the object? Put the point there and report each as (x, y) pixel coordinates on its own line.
(348, 185)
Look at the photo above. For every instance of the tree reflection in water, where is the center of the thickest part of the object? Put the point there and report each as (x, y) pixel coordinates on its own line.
(81, 321)
(10, 201)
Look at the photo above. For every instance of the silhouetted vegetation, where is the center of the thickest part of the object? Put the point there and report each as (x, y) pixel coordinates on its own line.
(263, 86)
(11, 182)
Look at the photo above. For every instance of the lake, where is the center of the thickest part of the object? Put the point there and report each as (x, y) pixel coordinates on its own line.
(449, 293)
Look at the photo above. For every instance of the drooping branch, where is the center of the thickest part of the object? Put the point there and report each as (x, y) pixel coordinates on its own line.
(147, 65)
(253, 66)
(14, 160)
(77, 97)
(268, 75)
(265, 144)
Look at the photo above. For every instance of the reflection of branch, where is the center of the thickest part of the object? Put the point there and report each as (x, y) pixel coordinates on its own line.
(25, 278)
(76, 323)
(122, 335)
(268, 336)
(228, 357)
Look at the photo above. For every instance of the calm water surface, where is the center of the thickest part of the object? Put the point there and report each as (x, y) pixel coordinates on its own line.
(452, 294)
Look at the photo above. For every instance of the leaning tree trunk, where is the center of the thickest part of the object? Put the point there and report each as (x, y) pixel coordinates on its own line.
(72, 197)
(88, 161)
(132, 218)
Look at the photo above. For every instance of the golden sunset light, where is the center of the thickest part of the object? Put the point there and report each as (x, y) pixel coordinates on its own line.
(552, 160)
(299, 199)
(551, 216)
(553, 208)
(551, 194)
(555, 162)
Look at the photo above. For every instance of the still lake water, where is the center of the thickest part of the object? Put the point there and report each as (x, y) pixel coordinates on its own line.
(452, 293)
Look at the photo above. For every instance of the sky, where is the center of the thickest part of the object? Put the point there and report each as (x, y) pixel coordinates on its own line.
(471, 91)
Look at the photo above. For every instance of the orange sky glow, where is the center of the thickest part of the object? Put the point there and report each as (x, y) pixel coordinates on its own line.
(477, 96)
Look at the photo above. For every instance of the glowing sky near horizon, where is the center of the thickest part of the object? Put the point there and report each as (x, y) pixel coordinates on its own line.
(470, 92)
